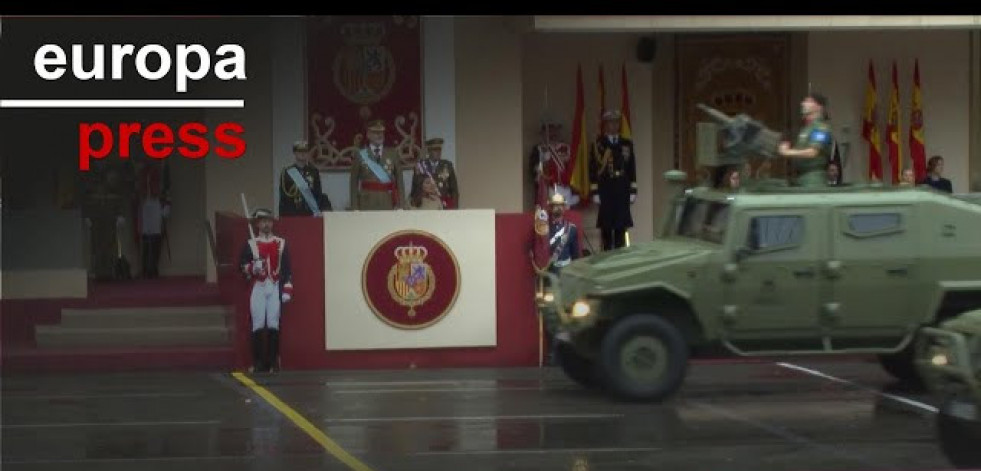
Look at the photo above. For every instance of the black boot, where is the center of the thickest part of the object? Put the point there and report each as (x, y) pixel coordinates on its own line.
(272, 356)
(257, 358)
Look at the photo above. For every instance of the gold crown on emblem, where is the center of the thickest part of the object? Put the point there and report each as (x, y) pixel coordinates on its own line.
(411, 253)
(363, 33)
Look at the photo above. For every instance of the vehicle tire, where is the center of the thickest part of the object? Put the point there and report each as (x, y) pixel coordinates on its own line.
(901, 365)
(643, 358)
(959, 434)
(575, 366)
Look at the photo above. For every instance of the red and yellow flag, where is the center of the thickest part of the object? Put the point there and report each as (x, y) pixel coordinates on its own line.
(892, 129)
(602, 99)
(625, 105)
(870, 127)
(917, 146)
(579, 161)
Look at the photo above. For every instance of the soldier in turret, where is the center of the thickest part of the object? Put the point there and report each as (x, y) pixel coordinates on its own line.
(812, 151)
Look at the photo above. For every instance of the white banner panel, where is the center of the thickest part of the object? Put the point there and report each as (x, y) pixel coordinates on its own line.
(410, 279)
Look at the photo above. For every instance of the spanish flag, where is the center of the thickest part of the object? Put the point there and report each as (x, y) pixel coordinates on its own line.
(870, 129)
(892, 129)
(917, 146)
(625, 105)
(579, 162)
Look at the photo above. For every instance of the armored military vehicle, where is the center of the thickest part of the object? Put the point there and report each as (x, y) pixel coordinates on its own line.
(768, 270)
(949, 361)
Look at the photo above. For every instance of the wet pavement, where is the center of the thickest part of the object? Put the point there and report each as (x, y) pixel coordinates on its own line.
(799, 415)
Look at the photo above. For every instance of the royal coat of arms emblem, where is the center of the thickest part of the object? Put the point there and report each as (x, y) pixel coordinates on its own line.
(364, 69)
(411, 279)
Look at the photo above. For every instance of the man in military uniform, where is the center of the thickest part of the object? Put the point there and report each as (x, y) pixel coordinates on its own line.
(442, 174)
(266, 263)
(376, 177)
(812, 152)
(613, 177)
(563, 235)
(108, 194)
(300, 190)
(563, 243)
(549, 160)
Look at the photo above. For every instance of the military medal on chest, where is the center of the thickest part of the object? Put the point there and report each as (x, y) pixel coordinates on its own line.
(443, 176)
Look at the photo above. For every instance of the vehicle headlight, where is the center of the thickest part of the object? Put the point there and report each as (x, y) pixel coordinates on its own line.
(939, 356)
(581, 309)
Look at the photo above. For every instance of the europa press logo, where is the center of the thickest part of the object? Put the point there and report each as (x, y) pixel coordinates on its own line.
(151, 62)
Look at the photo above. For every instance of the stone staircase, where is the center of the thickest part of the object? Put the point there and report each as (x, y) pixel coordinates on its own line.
(174, 326)
(178, 323)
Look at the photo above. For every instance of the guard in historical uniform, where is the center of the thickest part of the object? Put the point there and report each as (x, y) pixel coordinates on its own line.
(563, 245)
(613, 177)
(440, 171)
(376, 175)
(549, 162)
(265, 262)
(563, 235)
(300, 190)
(812, 151)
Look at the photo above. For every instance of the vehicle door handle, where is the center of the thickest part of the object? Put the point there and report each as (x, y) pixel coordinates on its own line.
(804, 273)
(901, 271)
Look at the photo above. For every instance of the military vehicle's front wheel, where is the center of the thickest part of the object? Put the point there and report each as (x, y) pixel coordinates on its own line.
(643, 357)
(575, 366)
(959, 431)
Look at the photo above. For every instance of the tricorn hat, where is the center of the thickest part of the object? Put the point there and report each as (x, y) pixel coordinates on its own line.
(262, 213)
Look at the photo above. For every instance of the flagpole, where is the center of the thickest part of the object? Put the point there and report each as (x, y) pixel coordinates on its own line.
(541, 182)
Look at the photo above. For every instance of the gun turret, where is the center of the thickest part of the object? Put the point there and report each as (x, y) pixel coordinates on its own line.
(741, 138)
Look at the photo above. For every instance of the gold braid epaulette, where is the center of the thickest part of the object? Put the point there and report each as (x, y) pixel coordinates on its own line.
(604, 160)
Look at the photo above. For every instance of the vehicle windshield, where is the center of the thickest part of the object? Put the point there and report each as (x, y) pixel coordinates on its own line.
(702, 219)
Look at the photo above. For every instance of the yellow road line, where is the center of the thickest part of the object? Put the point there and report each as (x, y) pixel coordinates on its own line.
(318, 436)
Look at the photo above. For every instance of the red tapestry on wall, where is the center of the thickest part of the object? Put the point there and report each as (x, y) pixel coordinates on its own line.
(359, 69)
